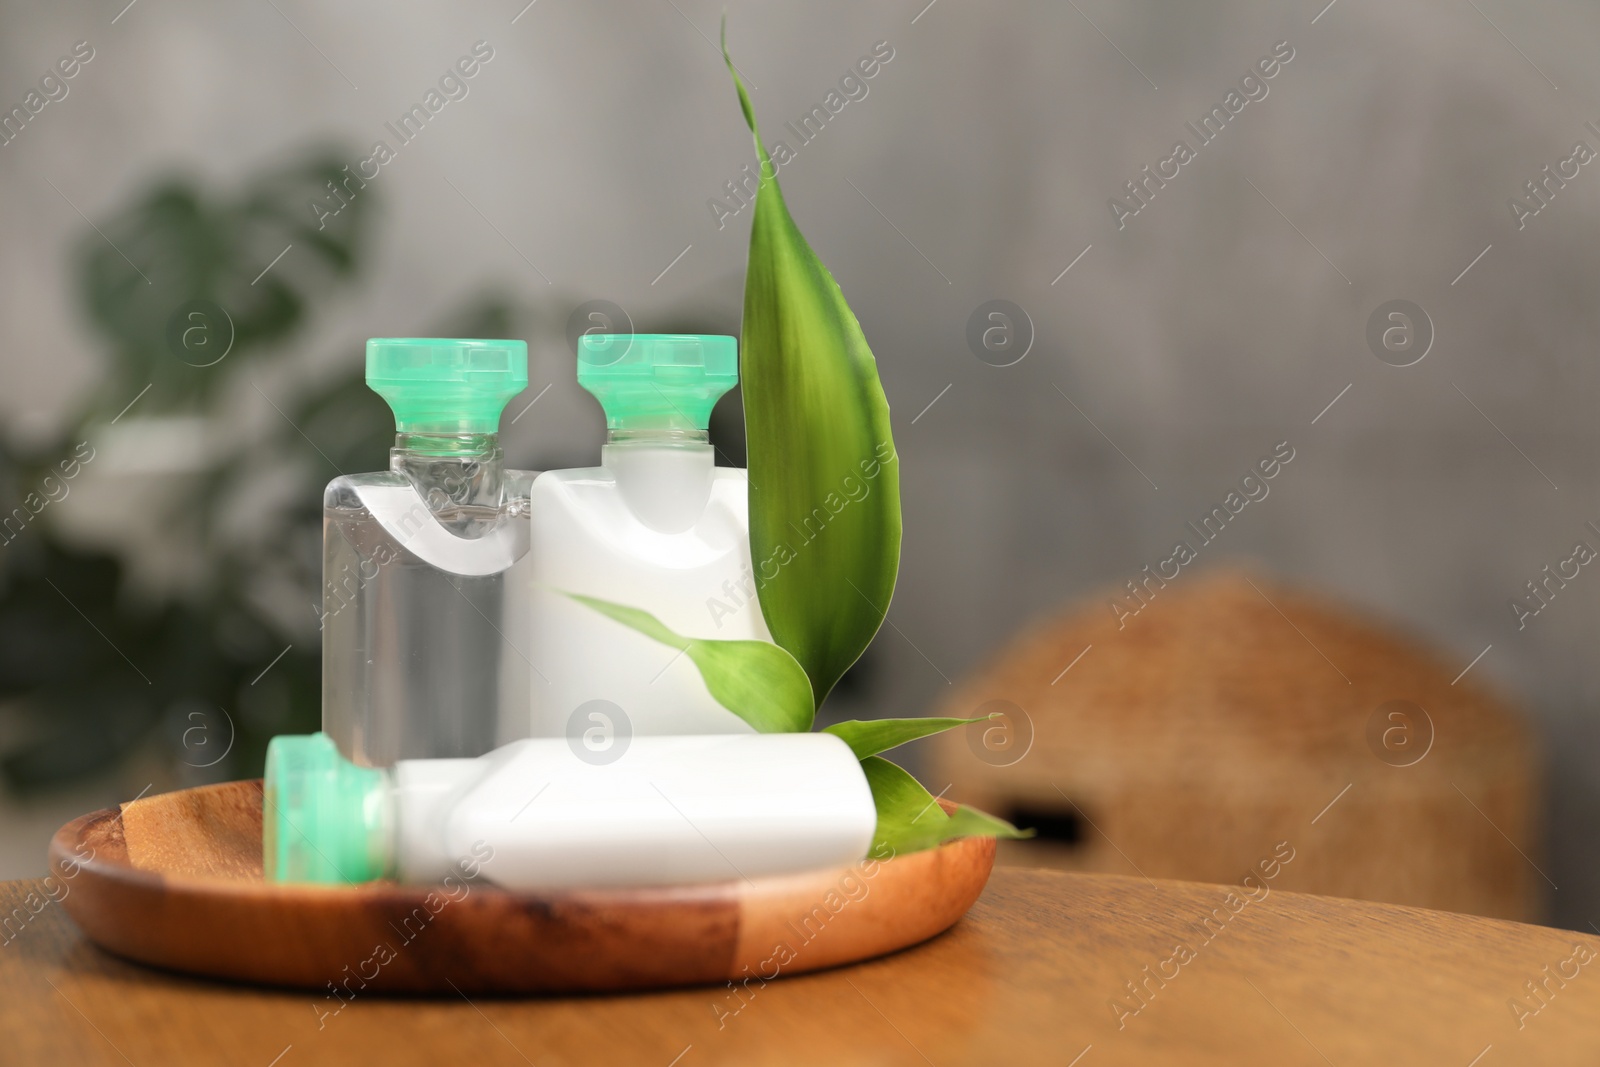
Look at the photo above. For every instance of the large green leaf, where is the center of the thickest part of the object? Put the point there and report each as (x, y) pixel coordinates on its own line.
(824, 475)
(868, 737)
(756, 680)
(910, 818)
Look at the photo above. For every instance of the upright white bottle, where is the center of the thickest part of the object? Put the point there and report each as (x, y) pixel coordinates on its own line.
(657, 526)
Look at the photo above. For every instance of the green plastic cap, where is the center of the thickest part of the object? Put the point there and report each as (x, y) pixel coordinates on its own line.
(446, 385)
(657, 381)
(324, 819)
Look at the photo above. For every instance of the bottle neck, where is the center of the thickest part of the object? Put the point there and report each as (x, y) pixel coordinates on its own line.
(445, 444)
(664, 476)
(660, 438)
(450, 470)
(425, 792)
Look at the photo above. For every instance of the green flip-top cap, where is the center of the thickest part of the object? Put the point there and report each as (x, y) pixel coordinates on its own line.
(658, 381)
(446, 384)
(323, 819)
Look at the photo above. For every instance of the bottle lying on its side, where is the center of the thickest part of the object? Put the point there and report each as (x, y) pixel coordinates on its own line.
(545, 813)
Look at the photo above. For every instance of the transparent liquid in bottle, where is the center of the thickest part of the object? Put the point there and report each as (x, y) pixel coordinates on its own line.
(424, 625)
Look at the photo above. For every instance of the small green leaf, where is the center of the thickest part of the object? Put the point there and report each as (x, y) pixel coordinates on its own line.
(824, 474)
(910, 818)
(868, 737)
(756, 680)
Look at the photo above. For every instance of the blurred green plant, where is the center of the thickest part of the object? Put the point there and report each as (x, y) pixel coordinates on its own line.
(194, 294)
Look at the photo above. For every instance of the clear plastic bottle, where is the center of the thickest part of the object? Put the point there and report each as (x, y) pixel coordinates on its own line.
(657, 526)
(425, 622)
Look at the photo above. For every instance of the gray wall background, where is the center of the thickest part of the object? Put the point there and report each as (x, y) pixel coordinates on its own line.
(1222, 320)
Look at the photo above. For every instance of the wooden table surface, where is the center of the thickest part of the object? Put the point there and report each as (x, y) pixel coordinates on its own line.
(1032, 975)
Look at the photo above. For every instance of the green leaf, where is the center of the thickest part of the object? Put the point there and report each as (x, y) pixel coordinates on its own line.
(824, 475)
(868, 737)
(910, 818)
(756, 680)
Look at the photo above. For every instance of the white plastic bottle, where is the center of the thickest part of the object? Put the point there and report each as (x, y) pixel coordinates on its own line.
(657, 526)
(543, 813)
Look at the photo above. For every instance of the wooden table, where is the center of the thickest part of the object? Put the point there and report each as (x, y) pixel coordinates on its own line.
(1032, 975)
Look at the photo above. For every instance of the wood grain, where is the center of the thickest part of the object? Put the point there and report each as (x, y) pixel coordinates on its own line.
(1028, 976)
(175, 880)
(1224, 716)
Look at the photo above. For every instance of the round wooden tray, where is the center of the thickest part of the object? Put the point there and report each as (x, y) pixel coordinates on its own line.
(175, 880)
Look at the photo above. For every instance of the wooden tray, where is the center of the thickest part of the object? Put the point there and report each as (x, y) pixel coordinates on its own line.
(175, 880)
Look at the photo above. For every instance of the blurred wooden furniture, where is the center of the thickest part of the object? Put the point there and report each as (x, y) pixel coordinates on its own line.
(175, 880)
(1031, 975)
(1230, 714)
